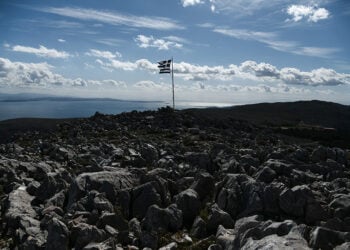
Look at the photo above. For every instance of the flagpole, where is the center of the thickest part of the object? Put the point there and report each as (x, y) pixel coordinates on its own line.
(172, 78)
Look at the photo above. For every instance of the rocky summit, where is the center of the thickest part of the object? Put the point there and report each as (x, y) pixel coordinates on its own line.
(171, 180)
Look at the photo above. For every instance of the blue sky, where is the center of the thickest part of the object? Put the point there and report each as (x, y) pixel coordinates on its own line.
(232, 51)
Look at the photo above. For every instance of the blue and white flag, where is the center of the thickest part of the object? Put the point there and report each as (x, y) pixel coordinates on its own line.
(164, 67)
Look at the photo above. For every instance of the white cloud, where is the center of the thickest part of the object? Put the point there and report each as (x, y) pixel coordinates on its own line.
(61, 40)
(243, 7)
(151, 85)
(311, 13)
(246, 34)
(206, 25)
(40, 75)
(271, 39)
(161, 44)
(250, 70)
(186, 3)
(42, 51)
(103, 54)
(115, 18)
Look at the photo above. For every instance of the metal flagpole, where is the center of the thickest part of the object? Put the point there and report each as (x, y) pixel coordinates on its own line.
(172, 78)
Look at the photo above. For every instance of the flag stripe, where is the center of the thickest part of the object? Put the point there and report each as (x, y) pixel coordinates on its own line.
(164, 67)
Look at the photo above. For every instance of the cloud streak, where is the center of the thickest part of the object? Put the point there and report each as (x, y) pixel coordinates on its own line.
(272, 40)
(161, 44)
(115, 18)
(42, 51)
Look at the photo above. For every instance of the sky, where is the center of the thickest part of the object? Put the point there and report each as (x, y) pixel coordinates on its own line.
(228, 51)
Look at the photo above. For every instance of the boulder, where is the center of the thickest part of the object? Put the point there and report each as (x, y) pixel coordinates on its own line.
(58, 235)
(344, 246)
(324, 238)
(287, 242)
(148, 240)
(83, 234)
(225, 238)
(266, 175)
(204, 185)
(199, 228)
(144, 196)
(199, 160)
(149, 153)
(280, 167)
(341, 206)
(293, 201)
(240, 195)
(114, 220)
(103, 182)
(188, 202)
(271, 196)
(218, 217)
(158, 219)
(170, 246)
(319, 154)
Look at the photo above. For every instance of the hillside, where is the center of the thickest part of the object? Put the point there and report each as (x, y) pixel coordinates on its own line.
(192, 179)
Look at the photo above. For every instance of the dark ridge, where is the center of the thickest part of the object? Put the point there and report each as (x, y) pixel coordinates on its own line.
(9, 128)
(324, 121)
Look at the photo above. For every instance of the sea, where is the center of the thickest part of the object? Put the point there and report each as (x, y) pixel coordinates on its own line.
(78, 108)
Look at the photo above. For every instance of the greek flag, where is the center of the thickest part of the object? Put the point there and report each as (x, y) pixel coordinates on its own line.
(164, 67)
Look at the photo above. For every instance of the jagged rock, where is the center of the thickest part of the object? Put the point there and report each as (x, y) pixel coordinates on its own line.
(57, 199)
(135, 227)
(158, 219)
(249, 160)
(160, 184)
(325, 238)
(82, 234)
(142, 197)
(218, 217)
(52, 184)
(19, 207)
(33, 187)
(199, 160)
(281, 167)
(104, 182)
(240, 196)
(149, 153)
(58, 235)
(271, 197)
(114, 220)
(287, 242)
(225, 238)
(102, 204)
(199, 228)
(341, 206)
(265, 174)
(170, 246)
(344, 246)
(243, 224)
(188, 202)
(228, 197)
(214, 247)
(293, 201)
(106, 245)
(204, 184)
(148, 240)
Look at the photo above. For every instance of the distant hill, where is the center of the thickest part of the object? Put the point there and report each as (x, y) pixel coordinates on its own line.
(321, 113)
(274, 115)
(322, 121)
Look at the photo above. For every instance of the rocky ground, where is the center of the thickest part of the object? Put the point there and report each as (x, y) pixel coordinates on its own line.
(171, 181)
